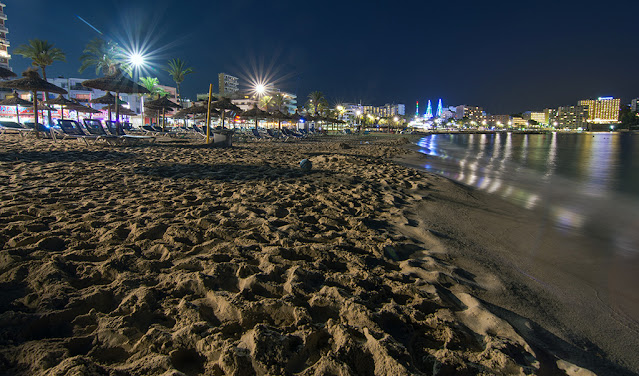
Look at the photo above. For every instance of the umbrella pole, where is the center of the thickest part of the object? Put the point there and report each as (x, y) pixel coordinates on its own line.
(117, 115)
(208, 114)
(35, 113)
(163, 119)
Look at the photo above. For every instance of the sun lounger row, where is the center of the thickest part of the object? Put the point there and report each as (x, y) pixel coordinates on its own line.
(94, 130)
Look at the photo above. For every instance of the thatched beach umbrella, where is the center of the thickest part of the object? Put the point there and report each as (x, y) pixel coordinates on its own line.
(162, 103)
(279, 116)
(15, 100)
(62, 102)
(224, 105)
(108, 99)
(79, 107)
(6, 73)
(256, 113)
(125, 111)
(32, 82)
(296, 117)
(118, 83)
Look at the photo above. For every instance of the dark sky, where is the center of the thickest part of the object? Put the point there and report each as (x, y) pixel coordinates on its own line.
(504, 56)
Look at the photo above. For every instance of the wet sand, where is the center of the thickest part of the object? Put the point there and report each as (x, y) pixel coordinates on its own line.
(181, 259)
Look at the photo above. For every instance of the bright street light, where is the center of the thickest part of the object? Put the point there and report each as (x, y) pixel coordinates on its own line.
(260, 89)
(136, 60)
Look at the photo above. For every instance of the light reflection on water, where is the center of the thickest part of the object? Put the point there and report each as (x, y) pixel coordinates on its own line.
(578, 178)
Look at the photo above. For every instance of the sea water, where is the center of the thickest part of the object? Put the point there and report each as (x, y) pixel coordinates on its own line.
(585, 185)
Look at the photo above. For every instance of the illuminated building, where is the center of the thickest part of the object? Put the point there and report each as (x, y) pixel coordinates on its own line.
(448, 113)
(539, 117)
(4, 42)
(573, 117)
(386, 110)
(472, 113)
(518, 122)
(439, 109)
(84, 94)
(228, 84)
(548, 112)
(633, 104)
(602, 110)
(244, 101)
(417, 109)
(497, 120)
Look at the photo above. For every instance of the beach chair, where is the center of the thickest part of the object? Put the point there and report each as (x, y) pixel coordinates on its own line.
(94, 127)
(257, 135)
(290, 133)
(110, 124)
(273, 134)
(13, 127)
(73, 130)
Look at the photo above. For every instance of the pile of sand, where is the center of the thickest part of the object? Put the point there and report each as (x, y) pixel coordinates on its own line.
(181, 259)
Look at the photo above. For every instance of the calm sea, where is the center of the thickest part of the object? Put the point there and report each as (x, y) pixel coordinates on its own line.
(580, 174)
(585, 186)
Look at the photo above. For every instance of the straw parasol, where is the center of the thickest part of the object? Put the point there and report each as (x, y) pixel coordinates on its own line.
(6, 73)
(125, 111)
(32, 82)
(255, 113)
(224, 105)
(108, 99)
(118, 83)
(15, 100)
(162, 103)
(279, 115)
(79, 107)
(62, 102)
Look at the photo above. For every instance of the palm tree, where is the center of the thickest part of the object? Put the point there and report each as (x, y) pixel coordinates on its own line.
(266, 102)
(177, 69)
(42, 54)
(106, 56)
(315, 100)
(279, 102)
(151, 84)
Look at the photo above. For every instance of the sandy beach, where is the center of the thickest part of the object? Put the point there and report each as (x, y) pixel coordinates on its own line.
(176, 258)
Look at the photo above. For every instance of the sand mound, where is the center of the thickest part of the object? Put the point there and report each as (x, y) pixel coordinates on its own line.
(177, 259)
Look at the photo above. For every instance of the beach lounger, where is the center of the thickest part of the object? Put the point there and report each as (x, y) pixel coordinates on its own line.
(72, 129)
(290, 133)
(110, 124)
(276, 135)
(13, 127)
(257, 135)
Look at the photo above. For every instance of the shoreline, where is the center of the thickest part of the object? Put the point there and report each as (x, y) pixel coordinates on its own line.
(174, 257)
(541, 285)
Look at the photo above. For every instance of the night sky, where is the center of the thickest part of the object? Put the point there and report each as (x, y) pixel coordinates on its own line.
(506, 57)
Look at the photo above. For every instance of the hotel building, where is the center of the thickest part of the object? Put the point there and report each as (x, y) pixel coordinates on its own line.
(603, 110)
(572, 117)
(497, 120)
(228, 84)
(4, 42)
(633, 104)
(539, 117)
(472, 113)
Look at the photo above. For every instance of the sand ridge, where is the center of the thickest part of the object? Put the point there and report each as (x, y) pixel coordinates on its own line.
(181, 259)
